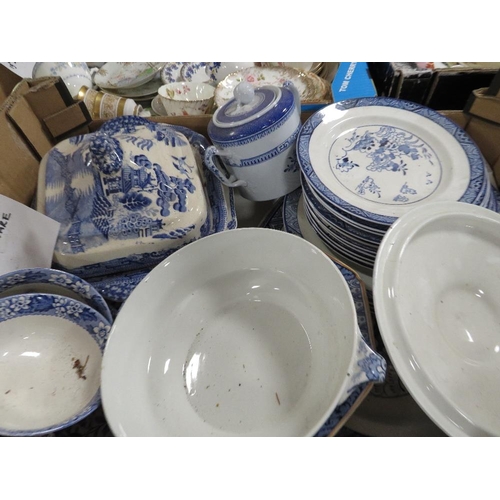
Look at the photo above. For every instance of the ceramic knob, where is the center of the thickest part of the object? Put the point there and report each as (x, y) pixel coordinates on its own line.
(244, 93)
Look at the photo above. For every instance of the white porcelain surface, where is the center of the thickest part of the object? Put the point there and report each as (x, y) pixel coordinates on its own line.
(186, 98)
(50, 362)
(157, 106)
(74, 74)
(126, 75)
(436, 299)
(246, 332)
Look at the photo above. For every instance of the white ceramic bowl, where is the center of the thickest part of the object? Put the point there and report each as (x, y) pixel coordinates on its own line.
(250, 332)
(186, 98)
(437, 296)
(50, 362)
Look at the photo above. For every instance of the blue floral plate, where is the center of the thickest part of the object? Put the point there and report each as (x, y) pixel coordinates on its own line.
(373, 159)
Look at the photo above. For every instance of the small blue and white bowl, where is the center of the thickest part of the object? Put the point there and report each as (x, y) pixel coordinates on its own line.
(46, 280)
(50, 362)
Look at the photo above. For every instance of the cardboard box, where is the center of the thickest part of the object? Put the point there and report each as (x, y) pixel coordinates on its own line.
(34, 116)
(441, 86)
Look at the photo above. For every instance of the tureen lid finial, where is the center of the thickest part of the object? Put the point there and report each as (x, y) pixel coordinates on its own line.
(244, 93)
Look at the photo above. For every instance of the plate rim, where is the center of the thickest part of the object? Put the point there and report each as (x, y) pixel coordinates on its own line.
(471, 150)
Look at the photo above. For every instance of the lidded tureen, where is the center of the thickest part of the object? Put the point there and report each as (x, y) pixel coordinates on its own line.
(126, 196)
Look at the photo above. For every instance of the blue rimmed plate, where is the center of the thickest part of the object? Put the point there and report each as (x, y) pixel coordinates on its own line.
(376, 158)
(50, 362)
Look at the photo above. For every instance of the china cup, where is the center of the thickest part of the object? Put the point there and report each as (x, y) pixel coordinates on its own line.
(186, 98)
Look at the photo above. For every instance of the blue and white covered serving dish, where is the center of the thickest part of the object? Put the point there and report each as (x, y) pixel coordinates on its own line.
(126, 196)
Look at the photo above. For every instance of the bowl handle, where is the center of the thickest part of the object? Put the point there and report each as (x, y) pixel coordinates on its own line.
(230, 181)
(367, 366)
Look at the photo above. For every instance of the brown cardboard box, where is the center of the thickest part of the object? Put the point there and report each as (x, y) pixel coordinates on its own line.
(34, 116)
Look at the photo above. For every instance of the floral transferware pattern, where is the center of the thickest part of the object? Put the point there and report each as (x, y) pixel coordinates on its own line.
(382, 151)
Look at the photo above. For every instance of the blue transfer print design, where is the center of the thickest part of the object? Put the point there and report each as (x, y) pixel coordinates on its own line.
(106, 196)
(368, 185)
(117, 279)
(470, 149)
(387, 148)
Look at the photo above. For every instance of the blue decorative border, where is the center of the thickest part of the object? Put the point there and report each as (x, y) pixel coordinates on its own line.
(251, 131)
(272, 153)
(56, 277)
(470, 149)
(45, 304)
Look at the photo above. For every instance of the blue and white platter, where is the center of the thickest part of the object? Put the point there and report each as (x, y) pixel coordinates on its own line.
(283, 216)
(45, 280)
(376, 158)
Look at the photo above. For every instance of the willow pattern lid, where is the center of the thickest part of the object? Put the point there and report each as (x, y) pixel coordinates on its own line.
(125, 196)
(376, 158)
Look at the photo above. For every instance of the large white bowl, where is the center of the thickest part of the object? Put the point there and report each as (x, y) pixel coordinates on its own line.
(50, 362)
(437, 295)
(249, 332)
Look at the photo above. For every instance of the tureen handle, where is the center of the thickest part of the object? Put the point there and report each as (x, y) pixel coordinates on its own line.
(230, 181)
(367, 366)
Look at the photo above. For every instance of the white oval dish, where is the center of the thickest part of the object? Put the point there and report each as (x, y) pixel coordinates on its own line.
(250, 332)
(436, 298)
(42, 280)
(50, 362)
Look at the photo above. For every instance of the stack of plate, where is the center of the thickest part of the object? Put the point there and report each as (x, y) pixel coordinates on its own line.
(366, 162)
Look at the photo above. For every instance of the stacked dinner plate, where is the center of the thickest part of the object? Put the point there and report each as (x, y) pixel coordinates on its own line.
(366, 162)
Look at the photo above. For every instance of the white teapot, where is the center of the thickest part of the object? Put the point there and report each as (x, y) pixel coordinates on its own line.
(255, 135)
